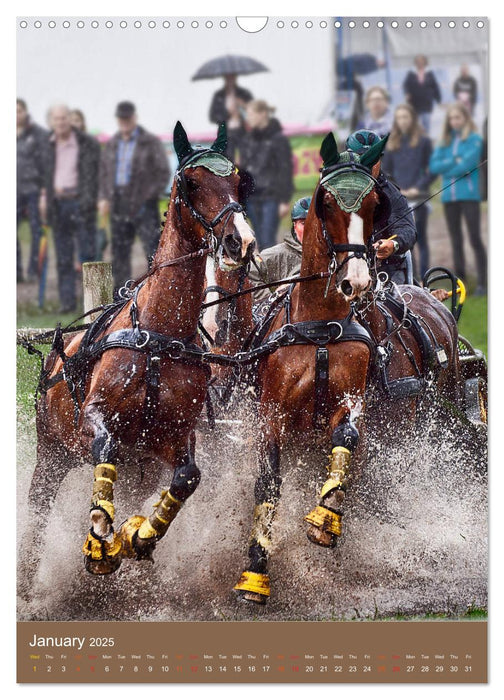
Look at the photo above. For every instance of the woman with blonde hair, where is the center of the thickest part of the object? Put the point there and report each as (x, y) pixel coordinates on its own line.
(459, 152)
(406, 161)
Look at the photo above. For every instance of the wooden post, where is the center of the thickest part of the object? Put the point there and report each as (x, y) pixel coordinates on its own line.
(98, 285)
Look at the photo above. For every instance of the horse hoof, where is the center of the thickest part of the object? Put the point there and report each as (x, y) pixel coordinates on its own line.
(102, 556)
(253, 587)
(325, 526)
(134, 547)
(250, 597)
(323, 539)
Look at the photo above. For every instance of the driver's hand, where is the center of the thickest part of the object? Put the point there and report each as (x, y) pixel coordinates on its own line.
(384, 249)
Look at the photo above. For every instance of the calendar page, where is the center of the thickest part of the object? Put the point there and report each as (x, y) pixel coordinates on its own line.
(251, 349)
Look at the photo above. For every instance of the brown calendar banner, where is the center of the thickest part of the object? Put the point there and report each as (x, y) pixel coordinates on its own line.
(252, 652)
(252, 337)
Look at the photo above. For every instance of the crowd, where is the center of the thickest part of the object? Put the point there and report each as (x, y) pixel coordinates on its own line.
(66, 180)
(413, 159)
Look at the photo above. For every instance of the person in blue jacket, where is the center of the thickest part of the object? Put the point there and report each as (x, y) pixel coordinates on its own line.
(406, 162)
(459, 152)
(394, 232)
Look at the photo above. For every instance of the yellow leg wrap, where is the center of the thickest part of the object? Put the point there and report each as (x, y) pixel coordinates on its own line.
(263, 520)
(159, 522)
(254, 583)
(339, 462)
(103, 487)
(325, 520)
(126, 533)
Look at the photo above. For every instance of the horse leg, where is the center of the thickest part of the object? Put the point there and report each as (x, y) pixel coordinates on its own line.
(325, 518)
(254, 583)
(102, 548)
(139, 535)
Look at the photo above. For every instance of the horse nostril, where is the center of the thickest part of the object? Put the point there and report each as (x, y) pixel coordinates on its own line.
(346, 288)
(232, 244)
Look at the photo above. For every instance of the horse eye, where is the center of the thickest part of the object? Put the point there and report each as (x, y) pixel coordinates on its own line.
(192, 185)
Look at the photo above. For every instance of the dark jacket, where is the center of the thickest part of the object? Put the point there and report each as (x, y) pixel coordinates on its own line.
(150, 171)
(466, 84)
(421, 96)
(408, 166)
(393, 212)
(88, 167)
(266, 154)
(218, 111)
(31, 147)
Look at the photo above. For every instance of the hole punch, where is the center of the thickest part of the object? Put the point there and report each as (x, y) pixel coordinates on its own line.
(251, 25)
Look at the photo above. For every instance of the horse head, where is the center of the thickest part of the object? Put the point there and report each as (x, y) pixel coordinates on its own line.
(344, 204)
(209, 196)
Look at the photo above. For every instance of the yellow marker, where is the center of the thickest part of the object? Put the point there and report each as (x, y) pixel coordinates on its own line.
(460, 290)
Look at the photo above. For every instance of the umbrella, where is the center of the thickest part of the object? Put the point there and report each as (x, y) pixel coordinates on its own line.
(229, 65)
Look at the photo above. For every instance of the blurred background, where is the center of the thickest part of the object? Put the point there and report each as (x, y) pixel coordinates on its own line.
(318, 74)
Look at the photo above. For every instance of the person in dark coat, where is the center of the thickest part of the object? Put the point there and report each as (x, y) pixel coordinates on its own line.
(421, 90)
(394, 232)
(134, 174)
(465, 89)
(406, 162)
(78, 122)
(71, 190)
(30, 148)
(265, 153)
(228, 104)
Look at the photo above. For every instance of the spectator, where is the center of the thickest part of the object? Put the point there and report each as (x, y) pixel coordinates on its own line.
(348, 69)
(78, 122)
(71, 190)
(379, 117)
(266, 154)
(30, 146)
(421, 90)
(465, 89)
(406, 161)
(458, 152)
(134, 173)
(228, 103)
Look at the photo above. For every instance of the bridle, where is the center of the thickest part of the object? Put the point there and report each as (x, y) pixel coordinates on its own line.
(354, 250)
(212, 241)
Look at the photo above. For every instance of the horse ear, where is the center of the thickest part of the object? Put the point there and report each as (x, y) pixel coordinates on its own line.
(180, 142)
(373, 154)
(220, 143)
(329, 150)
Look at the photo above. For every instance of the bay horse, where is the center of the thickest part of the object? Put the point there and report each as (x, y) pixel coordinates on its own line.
(143, 384)
(315, 382)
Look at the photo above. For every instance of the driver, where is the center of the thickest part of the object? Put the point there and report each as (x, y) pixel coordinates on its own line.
(392, 212)
(282, 260)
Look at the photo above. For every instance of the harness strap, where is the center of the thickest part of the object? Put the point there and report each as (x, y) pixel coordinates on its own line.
(321, 387)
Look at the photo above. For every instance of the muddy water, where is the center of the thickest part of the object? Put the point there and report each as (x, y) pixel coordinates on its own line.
(415, 538)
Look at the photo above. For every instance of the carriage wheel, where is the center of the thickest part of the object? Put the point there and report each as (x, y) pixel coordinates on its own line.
(476, 400)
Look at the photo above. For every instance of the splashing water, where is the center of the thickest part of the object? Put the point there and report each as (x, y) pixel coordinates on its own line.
(414, 536)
